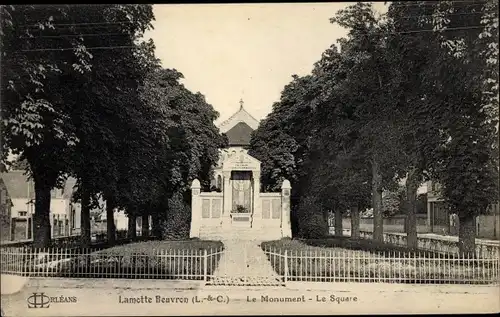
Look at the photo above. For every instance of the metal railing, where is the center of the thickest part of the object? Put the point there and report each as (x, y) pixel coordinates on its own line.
(340, 265)
(184, 264)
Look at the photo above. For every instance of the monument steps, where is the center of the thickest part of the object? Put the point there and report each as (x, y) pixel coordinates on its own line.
(214, 233)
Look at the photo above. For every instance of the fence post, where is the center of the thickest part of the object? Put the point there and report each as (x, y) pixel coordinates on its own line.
(286, 266)
(205, 265)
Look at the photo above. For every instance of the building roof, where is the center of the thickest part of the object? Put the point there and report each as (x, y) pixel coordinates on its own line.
(4, 193)
(18, 185)
(239, 135)
(239, 127)
(69, 187)
(240, 116)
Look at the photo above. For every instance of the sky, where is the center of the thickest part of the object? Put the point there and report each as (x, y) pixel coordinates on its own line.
(230, 52)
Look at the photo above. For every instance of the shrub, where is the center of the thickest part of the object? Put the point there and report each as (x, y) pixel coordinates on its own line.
(315, 227)
(177, 224)
(241, 209)
(312, 224)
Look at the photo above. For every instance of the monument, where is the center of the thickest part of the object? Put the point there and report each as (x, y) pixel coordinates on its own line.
(236, 207)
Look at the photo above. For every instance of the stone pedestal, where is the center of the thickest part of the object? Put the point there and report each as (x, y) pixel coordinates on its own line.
(226, 189)
(286, 225)
(257, 208)
(195, 209)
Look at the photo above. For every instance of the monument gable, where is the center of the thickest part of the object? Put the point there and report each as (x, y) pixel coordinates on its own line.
(240, 161)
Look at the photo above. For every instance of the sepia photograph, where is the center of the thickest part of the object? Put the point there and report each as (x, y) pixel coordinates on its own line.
(316, 158)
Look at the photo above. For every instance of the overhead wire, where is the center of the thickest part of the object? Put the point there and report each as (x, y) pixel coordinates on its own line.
(91, 25)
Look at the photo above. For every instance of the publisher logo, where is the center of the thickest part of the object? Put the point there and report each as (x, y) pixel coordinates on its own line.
(38, 300)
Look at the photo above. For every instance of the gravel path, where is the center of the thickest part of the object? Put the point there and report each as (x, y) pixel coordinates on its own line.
(244, 263)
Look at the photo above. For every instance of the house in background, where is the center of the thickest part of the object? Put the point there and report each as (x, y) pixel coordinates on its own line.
(64, 218)
(441, 221)
(120, 219)
(5, 213)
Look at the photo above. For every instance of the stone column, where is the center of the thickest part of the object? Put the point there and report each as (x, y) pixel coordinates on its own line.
(195, 209)
(286, 226)
(227, 192)
(429, 215)
(257, 205)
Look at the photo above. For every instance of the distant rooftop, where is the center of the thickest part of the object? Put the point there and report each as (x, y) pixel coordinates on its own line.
(20, 186)
(239, 127)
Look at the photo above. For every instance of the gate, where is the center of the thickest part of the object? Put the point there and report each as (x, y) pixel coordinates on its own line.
(242, 263)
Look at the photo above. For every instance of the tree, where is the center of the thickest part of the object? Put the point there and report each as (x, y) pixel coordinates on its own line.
(19, 164)
(328, 119)
(105, 111)
(282, 144)
(35, 123)
(58, 91)
(449, 93)
(368, 89)
(188, 141)
(343, 176)
(275, 149)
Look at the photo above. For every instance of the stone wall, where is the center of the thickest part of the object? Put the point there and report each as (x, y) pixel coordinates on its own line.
(393, 224)
(441, 244)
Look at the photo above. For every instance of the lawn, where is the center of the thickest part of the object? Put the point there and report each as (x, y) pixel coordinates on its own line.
(155, 247)
(326, 261)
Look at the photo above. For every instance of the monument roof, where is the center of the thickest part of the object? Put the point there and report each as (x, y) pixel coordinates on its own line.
(241, 116)
(239, 135)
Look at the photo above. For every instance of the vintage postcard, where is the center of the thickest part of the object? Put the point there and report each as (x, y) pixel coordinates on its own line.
(249, 159)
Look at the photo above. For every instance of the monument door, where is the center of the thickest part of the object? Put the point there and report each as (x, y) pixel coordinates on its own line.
(242, 190)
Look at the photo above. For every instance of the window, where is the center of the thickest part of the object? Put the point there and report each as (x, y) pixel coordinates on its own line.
(219, 182)
(73, 216)
(22, 213)
(3, 196)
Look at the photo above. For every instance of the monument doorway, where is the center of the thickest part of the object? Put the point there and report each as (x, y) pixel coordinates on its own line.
(242, 191)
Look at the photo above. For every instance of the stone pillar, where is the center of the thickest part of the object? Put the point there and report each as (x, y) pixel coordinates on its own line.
(286, 225)
(227, 192)
(429, 216)
(257, 205)
(195, 209)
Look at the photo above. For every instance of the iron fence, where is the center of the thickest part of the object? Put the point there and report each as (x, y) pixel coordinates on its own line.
(308, 265)
(89, 262)
(335, 265)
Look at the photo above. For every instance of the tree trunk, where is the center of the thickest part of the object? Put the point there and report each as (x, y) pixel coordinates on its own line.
(132, 226)
(156, 225)
(355, 222)
(85, 218)
(378, 221)
(338, 222)
(325, 213)
(145, 225)
(412, 183)
(110, 221)
(41, 218)
(467, 235)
